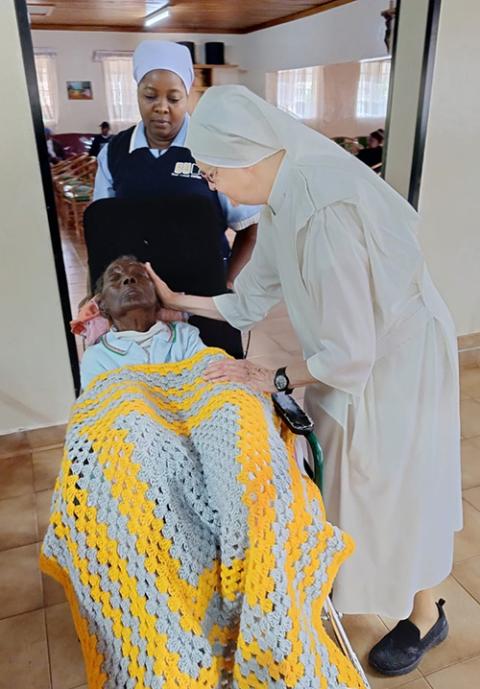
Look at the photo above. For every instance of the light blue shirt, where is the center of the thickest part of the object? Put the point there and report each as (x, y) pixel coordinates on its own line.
(175, 342)
(237, 217)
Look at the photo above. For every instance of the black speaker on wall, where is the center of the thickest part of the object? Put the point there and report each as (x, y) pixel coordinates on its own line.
(191, 46)
(215, 53)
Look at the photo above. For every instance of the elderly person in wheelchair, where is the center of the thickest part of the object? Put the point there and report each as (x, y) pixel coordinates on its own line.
(192, 550)
(127, 298)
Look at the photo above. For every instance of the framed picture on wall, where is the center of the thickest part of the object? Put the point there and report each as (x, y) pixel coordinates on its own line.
(79, 90)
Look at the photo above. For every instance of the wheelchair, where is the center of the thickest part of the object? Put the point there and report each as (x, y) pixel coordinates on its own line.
(182, 241)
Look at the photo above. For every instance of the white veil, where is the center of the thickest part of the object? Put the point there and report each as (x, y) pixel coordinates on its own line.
(233, 127)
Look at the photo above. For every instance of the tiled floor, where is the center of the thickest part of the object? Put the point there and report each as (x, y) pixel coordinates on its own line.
(38, 645)
(75, 260)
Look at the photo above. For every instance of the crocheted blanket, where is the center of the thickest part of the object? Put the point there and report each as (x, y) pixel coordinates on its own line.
(193, 552)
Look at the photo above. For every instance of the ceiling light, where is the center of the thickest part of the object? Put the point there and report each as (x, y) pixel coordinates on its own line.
(158, 15)
(40, 10)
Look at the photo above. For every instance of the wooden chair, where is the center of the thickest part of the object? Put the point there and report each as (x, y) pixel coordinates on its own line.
(64, 173)
(77, 193)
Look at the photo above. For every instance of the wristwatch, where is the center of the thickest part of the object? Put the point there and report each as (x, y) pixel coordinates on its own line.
(281, 381)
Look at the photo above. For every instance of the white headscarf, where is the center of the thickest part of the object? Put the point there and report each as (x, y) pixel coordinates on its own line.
(232, 127)
(150, 55)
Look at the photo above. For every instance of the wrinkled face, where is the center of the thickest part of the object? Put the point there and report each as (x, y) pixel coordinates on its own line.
(239, 184)
(162, 99)
(126, 286)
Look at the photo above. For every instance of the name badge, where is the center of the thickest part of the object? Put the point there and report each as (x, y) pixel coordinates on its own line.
(187, 170)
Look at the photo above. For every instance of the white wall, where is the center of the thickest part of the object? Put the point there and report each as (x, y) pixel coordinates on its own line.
(75, 63)
(36, 386)
(450, 190)
(344, 34)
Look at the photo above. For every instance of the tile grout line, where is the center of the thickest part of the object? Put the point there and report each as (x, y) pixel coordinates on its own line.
(447, 667)
(48, 645)
(462, 586)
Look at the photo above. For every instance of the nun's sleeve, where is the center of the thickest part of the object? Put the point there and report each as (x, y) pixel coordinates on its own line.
(256, 289)
(103, 188)
(336, 274)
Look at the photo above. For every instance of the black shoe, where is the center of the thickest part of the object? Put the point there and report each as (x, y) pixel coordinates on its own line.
(402, 649)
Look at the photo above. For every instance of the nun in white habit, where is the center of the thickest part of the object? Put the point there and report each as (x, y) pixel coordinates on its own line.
(338, 245)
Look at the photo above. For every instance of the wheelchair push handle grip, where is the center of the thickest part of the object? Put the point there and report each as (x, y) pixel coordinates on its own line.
(292, 414)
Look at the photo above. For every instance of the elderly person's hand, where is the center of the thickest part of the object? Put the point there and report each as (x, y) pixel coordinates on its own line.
(243, 371)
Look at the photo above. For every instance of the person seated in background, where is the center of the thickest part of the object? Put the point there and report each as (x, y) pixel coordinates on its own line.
(372, 155)
(100, 140)
(56, 152)
(127, 298)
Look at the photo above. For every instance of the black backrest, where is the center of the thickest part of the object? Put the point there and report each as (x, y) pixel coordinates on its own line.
(181, 239)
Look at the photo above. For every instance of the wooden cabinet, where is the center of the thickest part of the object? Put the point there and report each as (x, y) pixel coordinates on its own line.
(211, 75)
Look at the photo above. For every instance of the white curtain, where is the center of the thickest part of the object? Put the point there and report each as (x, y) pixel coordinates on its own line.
(340, 100)
(372, 93)
(46, 68)
(300, 92)
(121, 91)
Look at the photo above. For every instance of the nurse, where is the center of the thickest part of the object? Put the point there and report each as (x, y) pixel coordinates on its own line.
(379, 353)
(151, 159)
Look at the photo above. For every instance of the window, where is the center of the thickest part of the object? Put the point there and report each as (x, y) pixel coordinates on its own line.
(46, 68)
(121, 91)
(372, 92)
(298, 91)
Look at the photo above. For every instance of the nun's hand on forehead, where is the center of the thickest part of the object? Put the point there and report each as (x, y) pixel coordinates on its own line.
(164, 293)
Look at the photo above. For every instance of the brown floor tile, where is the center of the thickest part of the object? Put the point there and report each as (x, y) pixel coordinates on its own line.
(24, 652)
(16, 476)
(470, 382)
(416, 684)
(463, 641)
(364, 631)
(467, 541)
(43, 501)
(66, 661)
(53, 593)
(472, 496)
(470, 463)
(44, 438)
(470, 412)
(468, 574)
(13, 444)
(460, 676)
(20, 581)
(46, 465)
(18, 523)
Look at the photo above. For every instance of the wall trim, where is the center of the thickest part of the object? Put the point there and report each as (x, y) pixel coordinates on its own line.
(430, 47)
(41, 144)
(390, 85)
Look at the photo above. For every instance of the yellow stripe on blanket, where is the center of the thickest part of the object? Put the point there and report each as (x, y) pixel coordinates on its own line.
(193, 552)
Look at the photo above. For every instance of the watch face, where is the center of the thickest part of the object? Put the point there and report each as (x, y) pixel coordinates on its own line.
(281, 382)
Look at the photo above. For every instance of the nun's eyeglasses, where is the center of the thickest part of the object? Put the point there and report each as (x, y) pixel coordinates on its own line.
(209, 175)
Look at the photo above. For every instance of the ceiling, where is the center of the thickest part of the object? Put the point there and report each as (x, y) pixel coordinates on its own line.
(206, 16)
